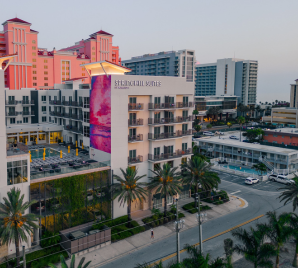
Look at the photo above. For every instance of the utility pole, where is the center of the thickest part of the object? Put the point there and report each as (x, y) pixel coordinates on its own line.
(199, 221)
(179, 224)
(24, 257)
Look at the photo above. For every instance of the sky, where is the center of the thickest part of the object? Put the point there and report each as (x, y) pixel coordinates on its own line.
(262, 30)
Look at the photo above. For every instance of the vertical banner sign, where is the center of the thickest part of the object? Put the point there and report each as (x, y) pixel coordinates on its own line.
(100, 113)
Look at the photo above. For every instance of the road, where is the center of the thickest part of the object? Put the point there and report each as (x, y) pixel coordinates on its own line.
(261, 198)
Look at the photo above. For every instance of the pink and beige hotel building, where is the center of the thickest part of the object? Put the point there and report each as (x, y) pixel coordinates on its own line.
(39, 68)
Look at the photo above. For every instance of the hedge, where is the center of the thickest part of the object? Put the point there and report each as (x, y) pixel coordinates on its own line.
(219, 198)
(158, 219)
(190, 207)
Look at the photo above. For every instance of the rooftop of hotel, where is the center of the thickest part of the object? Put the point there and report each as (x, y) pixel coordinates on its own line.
(225, 140)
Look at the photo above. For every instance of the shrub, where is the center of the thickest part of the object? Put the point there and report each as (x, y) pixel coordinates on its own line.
(152, 224)
(49, 239)
(110, 223)
(166, 220)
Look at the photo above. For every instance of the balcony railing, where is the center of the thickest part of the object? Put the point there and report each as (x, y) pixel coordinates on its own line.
(166, 156)
(169, 135)
(135, 138)
(156, 106)
(12, 113)
(11, 102)
(27, 102)
(135, 122)
(55, 102)
(134, 160)
(76, 116)
(135, 106)
(178, 119)
(28, 112)
(73, 129)
(72, 103)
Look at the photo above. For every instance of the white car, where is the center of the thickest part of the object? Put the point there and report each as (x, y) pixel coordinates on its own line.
(234, 137)
(208, 133)
(281, 179)
(219, 133)
(251, 181)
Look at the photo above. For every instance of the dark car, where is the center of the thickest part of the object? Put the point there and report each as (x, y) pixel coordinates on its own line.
(245, 141)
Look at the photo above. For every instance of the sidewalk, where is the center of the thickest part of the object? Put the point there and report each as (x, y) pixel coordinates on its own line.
(117, 250)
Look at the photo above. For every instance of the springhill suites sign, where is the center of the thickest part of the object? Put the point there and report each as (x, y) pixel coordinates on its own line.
(136, 83)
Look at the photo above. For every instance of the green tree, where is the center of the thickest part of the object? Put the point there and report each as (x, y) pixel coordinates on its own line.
(195, 112)
(278, 230)
(166, 181)
(241, 121)
(290, 193)
(198, 128)
(294, 225)
(129, 189)
(229, 124)
(14, 225)
(197, 172)
(253, 134)
(72, 263)
(253, 247)
(260, 168)
(209, 126)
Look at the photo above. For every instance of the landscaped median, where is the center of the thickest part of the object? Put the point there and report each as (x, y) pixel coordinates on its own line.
(190, 207)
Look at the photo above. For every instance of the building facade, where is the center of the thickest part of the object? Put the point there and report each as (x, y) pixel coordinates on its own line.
(283, 136)
(171, 63)
(282, 116)
(228, 77)
(40, 68)
(294, 95)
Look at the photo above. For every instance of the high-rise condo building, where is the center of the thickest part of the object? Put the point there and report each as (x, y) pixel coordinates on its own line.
(294, 95)
(36, 67)
(228, 77)
(171, 63)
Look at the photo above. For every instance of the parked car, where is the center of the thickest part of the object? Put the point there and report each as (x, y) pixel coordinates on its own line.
(234, 137)
(245, 141)
(251, 180)
(208, 133)
(219, 133)
(281, 178)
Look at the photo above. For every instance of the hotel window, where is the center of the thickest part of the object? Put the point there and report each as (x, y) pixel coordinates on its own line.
(45, 61)
(45, 78)
(93, 53)
(184, 146)
(33, 48)
(45, 67)
(43, 108)
(93, 58)
(12, 120)
(33, 66)
(44, 119)
(83, 74)
(35, 84)
(65, 66)
(33, 41)
(45, 72)
(83, 69)
(43, 98)
(33, 53)
(46, 84)
(25, 120)
(86, 131)
(34, 78)
(33, 60)
(17, 172)
(93, 48)
(34, 72)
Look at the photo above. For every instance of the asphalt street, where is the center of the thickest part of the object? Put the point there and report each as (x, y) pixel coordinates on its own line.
(261, 198)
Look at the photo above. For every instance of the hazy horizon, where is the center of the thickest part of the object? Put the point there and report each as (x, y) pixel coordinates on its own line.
(256, 30)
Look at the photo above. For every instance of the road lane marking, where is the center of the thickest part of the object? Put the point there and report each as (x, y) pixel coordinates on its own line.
(236, 192)
(214, 236)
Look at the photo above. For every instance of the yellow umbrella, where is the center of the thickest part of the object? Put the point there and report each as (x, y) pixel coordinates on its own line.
(30, 155)
(77, 152)
(68, 149)
(26, 141)
(44, 156)
(60, 153)
(36, 141)
(83, 146)
(62, 139)
(76, 144)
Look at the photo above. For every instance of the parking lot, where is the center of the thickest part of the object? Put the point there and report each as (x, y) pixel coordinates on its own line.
(262, 185)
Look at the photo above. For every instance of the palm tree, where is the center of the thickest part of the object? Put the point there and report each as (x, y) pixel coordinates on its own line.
(197, 259)
(260, 168)
(253, 247)
(278, 230)
(129, 188)
(294, 225)
(166, 180)
(14, 225)
(241, 121)
(290, 193)
(72, 263)
(197, 171)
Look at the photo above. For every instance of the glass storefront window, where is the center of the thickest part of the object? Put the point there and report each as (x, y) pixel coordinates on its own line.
(17, 172)
(42, 137)
(55, 136)
(33, 138)
(23, 139)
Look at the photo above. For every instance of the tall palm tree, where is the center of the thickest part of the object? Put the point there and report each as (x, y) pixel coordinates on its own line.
(278, 230)
(166, 181)
(290, 193)
(14, 225)
(197, 171)
(241, 121)
(72, 263)
(129, 189)
(253, 247)
(294, 225)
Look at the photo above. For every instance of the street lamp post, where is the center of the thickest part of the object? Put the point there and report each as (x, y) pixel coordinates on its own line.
(200, 218)
(179, 224)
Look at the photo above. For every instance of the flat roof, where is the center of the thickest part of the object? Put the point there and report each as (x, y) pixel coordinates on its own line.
(33, 127)
(250, 146)
(289, 130)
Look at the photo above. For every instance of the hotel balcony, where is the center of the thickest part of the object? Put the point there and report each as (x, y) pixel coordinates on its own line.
(135, 122)
(11, 102)
(12, 113)
(164, 121)
(135, 138)
(76, 116)
(166, 106)
(168, 156)
(55, 102)
(135, 106)
(73, 129)
(28, 113)
(72, 103)
(170, 135)
(135, 160)
(27, 102)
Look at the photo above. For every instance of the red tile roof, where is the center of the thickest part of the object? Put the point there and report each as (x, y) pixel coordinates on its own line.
(33, 31)
(18, 20)
(41, 53)
(76, 78)
(102, 32)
